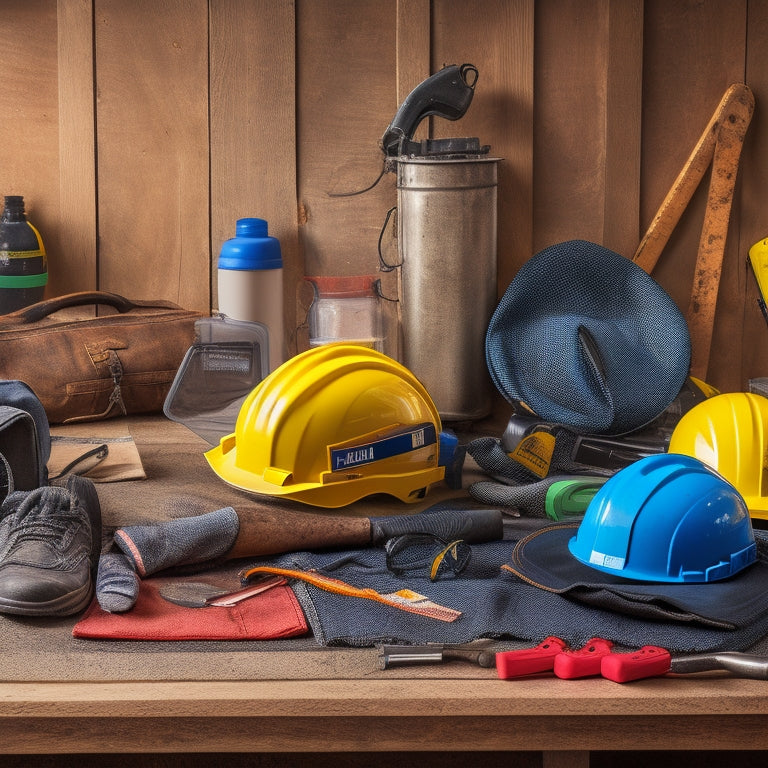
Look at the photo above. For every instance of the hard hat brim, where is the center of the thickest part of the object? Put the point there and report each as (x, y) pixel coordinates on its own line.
(543, 558)
(407, 487)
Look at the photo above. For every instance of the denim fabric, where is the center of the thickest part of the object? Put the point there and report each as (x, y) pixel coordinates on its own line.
(494, 603)
(543, 558)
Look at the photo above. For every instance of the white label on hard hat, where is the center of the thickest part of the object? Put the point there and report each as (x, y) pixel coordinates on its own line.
(607, 561)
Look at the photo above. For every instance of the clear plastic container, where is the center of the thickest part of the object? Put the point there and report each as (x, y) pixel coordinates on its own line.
(228, 359)
(346, 309)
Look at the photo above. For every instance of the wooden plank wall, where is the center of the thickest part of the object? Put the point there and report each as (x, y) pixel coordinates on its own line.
(692, 52)
(139, 132)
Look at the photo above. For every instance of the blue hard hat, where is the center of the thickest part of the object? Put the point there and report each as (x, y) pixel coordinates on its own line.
(666, 518)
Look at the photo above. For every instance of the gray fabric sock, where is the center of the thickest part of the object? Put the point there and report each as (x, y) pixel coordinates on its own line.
(117, 583)
(183, 541)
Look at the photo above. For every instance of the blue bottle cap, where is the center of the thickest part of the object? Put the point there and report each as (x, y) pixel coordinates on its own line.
(251, 248)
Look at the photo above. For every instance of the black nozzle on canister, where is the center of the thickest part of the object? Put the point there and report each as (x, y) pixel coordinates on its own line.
(448, 93)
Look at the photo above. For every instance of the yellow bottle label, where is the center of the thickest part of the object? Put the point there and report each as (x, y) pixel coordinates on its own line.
(21, 254)
(31, 254)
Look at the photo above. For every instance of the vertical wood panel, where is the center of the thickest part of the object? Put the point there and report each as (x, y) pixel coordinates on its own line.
(29, 138)
(623, 120)
(693, 51)
(152, 143)
(569, 118)
(497, 37)
(413, 34)
(301, 92)
(347, 96)
(77, 159)
(253, 128)
(587, 111)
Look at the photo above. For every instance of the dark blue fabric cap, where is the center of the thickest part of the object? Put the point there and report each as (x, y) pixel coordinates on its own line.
(585, 337)
(542, 558)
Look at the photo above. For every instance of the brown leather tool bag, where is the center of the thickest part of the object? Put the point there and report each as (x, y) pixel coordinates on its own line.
(84, 367)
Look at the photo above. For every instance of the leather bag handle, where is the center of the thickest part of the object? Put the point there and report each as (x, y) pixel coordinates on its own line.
(42, 309)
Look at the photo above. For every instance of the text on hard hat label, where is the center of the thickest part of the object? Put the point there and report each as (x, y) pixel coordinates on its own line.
(402, 442)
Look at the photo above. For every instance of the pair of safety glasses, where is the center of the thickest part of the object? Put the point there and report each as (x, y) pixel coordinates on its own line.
(414, 552)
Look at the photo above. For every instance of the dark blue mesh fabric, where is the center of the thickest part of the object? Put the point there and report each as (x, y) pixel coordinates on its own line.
(586, 338)
(496, 603)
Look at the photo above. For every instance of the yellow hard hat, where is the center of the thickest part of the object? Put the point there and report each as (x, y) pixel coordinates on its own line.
(729, 432)
(332, 425)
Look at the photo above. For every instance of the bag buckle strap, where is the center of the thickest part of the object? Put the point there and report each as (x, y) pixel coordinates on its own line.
(115, 396)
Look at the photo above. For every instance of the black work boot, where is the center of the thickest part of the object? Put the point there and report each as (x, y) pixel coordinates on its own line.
(49, 543)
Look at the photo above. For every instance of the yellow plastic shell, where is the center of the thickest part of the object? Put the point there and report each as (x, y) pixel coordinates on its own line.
(331, 426)
(729, 432)
(758, 258)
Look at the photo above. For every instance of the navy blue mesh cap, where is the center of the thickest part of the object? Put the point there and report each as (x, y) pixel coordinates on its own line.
(585, 337)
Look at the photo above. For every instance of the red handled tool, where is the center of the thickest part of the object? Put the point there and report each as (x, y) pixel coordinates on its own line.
(651, 661)
(583, 662)
(596, 657)
(529, 661)
(648, 661)
(554, 655)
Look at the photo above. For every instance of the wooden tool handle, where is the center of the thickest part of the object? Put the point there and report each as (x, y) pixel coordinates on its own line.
(720, 145)
(272, 531)
(709, 261)
(732, 117)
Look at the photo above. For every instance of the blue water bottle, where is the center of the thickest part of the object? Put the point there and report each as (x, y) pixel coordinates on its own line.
(250, 282)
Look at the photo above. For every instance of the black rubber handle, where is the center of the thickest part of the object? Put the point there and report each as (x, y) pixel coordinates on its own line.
(448, 93)
(472, 525)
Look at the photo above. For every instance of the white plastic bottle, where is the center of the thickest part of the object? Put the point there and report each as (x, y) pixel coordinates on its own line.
(250, 278)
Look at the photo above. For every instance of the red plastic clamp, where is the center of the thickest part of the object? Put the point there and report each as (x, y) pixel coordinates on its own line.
(528, 661)
(648, 661)
(584, 662)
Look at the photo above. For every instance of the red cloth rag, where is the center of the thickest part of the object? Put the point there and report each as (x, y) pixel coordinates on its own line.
(273, 614)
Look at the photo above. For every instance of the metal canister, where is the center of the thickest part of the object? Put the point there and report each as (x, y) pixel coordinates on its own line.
(447, 242)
